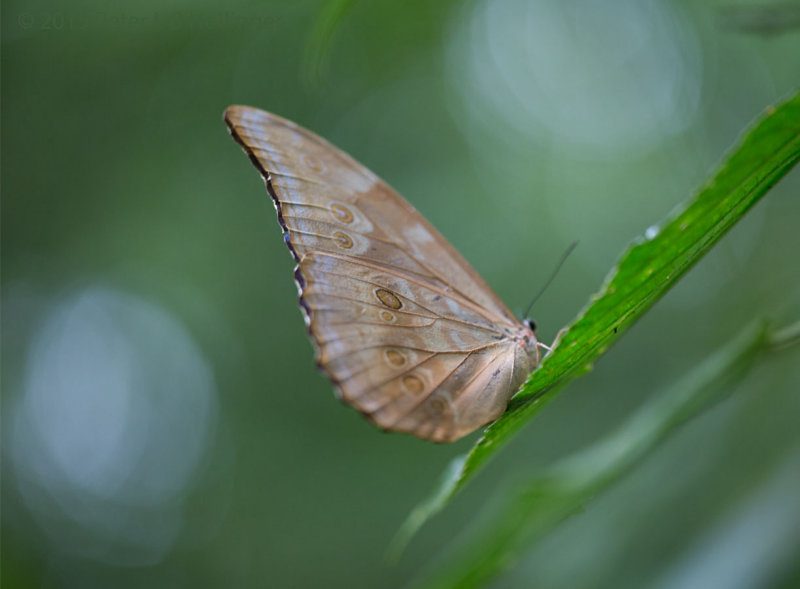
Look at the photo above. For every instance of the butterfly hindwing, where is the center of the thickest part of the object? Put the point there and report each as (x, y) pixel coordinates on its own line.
(406, 353)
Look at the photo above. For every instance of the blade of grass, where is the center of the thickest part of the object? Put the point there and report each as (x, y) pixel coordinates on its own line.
(537, 506)
(646, 271)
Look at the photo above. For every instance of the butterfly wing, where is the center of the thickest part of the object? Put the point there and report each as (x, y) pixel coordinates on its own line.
(409, 332)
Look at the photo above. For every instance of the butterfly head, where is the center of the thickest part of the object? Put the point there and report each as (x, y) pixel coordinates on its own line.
(527, 339)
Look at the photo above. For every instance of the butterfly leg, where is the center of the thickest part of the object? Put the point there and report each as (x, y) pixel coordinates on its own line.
(549, 348)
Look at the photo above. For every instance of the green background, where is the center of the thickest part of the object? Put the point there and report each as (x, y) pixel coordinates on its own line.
(163, 423)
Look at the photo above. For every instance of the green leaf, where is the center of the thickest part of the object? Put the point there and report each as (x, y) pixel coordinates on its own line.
(537, 506)
(646, 271)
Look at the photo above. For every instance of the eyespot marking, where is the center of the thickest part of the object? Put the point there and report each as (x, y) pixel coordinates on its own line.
(312, 163)
(413, 384)
(341, 213)
(388, 298)
(343, 240)
(439, 405)
(394, 357)
(387, 316)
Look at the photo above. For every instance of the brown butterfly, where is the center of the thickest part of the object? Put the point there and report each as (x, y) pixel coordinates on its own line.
(409, 333)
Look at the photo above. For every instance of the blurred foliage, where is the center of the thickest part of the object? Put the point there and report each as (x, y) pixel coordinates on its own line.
(162, 421)
(319, 41)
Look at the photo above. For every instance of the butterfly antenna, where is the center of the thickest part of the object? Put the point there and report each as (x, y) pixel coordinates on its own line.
(564, 257)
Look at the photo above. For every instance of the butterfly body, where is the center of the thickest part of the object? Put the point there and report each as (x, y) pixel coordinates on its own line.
(409, 333)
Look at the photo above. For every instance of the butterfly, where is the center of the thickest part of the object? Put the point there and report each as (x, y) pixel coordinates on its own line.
(408, 332)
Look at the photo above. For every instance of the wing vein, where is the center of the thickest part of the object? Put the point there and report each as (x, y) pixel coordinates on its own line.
(463, 302)
(349, 230)
(423, 398)
(415, 348)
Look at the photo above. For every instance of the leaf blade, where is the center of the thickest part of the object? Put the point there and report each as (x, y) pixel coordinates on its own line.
(535, 506)
(652, 264)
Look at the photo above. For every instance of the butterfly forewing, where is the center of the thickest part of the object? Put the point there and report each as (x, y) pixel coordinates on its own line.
(411, 335)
